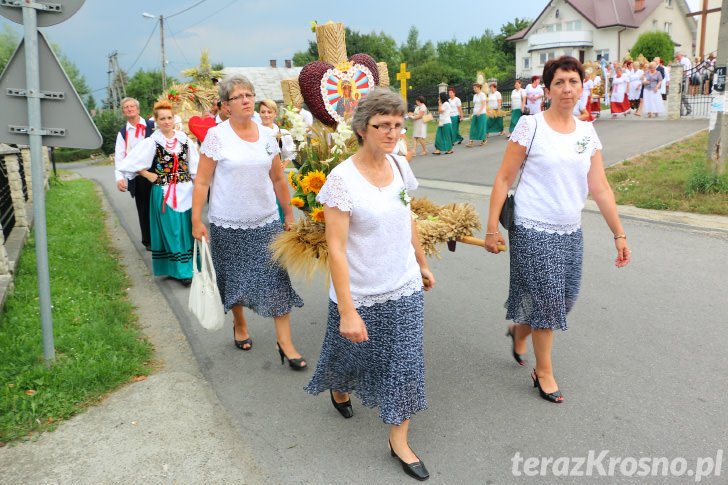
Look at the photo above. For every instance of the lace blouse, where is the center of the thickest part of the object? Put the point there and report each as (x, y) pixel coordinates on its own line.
(553, 185)
(241, 192)
(379, 251)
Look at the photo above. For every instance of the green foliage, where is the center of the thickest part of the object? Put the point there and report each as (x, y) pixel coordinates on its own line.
(701, 181)
(63, 155)
(413, 52)
(97, 343)
(433, 72)
(146, 86)
(108, 123)
(8, 42)
(504, 46)
(653, 44)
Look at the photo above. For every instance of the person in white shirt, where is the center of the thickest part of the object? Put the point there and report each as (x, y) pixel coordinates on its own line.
(687, 67)
(307, 116)
(478, 120)
(560, 161)
(130, 135)
(518, 101)
(444, 134)
(534, 96)
(494, 123)
(456, 114)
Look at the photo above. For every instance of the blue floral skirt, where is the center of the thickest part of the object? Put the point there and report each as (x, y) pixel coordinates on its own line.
(545, 276)
(388, 370)
(245, 273)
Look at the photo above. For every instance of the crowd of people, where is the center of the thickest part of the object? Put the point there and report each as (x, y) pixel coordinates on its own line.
(373, 344)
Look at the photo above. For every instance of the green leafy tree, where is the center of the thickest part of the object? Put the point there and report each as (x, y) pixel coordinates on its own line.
(506, 30)
(146, 86)
(108, 123)
(8, 42)
(413, 52)
(653, 44)
(433, 72)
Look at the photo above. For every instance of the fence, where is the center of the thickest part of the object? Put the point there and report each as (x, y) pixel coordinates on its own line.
(15, 209)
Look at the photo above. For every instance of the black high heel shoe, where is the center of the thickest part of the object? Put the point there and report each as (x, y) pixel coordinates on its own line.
(517, 356)
(416, 470)
(344, 408)
(295, 364)
(556, 397)
(241, 343)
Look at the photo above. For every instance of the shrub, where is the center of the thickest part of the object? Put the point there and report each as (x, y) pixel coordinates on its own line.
(700, 181)
(108, 123)
(653, 44)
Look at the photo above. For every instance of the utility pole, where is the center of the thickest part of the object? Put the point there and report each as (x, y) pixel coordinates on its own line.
(718, 136)
(164, 69)
(116, 89)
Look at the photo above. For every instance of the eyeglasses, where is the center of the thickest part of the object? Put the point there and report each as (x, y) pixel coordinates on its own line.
(385, 128)
(244, 95)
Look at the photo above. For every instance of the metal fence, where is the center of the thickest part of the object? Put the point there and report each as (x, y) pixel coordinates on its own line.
(7, 211)
(696, 96)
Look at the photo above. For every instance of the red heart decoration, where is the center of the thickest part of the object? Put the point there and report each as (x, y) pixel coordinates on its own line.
(199, 126)
(322, 86)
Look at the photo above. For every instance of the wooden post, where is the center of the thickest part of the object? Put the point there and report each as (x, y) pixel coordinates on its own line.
(704, 17)
(402, 77)
(718, 136)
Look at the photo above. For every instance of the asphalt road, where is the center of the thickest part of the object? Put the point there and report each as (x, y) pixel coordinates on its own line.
(641, 366)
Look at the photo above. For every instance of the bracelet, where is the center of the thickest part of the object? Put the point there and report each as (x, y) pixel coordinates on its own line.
(492, 233)
(619, 236)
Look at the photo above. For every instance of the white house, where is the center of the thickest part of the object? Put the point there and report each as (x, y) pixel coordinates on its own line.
(267, 80)
(595, 29)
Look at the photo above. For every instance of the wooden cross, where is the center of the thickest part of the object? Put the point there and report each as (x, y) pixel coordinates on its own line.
(704, 14)
(402, 77)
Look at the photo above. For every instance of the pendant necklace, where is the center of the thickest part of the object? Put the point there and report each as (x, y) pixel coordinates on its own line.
(169, 145)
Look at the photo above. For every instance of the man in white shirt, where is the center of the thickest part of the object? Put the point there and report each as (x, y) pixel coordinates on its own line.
(134, 131)
(687, 67)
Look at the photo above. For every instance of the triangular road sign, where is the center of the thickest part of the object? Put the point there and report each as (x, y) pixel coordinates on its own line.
(64, 119)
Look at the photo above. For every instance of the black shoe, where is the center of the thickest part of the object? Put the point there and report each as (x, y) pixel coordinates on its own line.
(517, 356)
(416, 470)
(241, 343)
(186, 282)
(295, 364)
(344, 408)
(555, 397)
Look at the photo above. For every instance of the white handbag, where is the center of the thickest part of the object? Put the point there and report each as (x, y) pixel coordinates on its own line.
(205, 302)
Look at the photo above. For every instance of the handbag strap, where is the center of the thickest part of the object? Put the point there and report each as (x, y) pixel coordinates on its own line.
(523, 165)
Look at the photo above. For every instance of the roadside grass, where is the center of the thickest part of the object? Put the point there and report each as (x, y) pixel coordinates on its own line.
(97, 340)
(674, 178)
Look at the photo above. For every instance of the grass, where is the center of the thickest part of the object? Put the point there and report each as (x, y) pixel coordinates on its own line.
(97, 341)
(674, 178)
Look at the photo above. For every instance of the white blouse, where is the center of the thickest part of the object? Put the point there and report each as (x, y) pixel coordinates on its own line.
(517, 98)
(454, 103)
(379, 251)
(445, 114)
(553, 187)
(241, 192)
(493, 99)
(288, 150)
(478, 101)
(141, 156)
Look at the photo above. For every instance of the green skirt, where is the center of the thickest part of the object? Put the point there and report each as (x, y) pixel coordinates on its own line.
(515, 116)
(477, 127)
(443, 138)
(495, 124)
(172, 240)
(455, 124)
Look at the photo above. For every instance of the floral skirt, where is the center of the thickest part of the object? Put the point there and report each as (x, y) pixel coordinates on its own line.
(245, 273)
(545, 276)
(388, 370)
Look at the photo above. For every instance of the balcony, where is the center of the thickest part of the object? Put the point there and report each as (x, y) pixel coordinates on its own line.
(550, 40)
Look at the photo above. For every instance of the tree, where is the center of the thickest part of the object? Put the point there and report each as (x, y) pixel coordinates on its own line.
(77, 79)
(653, 44)
(108, 123)
(8, 42)
(414, 53)
(433, 72)
(146, 86)
(506, 30)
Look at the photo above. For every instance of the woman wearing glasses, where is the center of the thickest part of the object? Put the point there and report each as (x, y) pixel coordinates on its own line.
(373, 342)
(240, 163)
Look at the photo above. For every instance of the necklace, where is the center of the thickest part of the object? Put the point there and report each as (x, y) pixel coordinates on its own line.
(169, 145)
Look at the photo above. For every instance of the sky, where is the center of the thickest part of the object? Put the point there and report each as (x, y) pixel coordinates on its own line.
(244, 33)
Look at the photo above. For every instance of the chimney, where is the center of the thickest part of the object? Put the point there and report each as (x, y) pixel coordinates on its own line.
(289, 63)
(639, 5)
(272, 63)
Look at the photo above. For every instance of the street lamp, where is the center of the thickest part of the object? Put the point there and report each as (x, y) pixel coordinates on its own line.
(161, 36)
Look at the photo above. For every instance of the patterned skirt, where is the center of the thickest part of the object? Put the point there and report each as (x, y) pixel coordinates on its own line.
(388, 370)
(245, 273)
(545, 276)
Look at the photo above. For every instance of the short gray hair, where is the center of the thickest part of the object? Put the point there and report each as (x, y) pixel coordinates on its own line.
(379, 101)
(126, 100)
(230, 82)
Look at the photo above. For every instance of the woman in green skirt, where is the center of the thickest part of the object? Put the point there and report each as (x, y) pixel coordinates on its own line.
(477, 123)
(518, 101)
(444, 134)
(168, 159)
(495, 119)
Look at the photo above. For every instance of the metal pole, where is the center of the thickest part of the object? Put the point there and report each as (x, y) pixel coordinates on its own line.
(32, 75)
(164, 69)
(718, 124)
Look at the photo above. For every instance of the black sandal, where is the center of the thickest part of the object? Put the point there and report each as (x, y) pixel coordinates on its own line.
(242, 343)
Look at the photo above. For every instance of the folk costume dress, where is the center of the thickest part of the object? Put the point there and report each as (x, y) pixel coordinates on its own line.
(534, 107)
(243, 219)
(174, 161)
(455, 103)
(495, 120)
(388, 370)
(444, 134)
(478, 122)
(619, 100)
(546, 243)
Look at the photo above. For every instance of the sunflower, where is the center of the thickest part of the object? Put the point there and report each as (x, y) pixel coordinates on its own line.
(291, 180)
(317, 214)
(302, 182)
(314, 181)
(297, 202)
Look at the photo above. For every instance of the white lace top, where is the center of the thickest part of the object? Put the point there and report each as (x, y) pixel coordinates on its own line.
(553, 186)
(382, 264)
(241, 192)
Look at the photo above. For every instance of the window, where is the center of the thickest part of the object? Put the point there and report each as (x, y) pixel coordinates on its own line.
(668, 3)
(573, 25)
(602, 54)
(668, 27)
(654, 26)
(557, 27)
(553, 27)
(526, 62)
(568, 52)
(545, 56)
(550, 28)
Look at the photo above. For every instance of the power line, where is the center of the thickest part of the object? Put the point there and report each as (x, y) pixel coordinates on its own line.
(177, 44)
(182, 11)
(154, 29)
(211, 15)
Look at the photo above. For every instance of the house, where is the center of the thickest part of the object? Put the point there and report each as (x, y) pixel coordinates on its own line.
(594, 29)
(267, 80)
